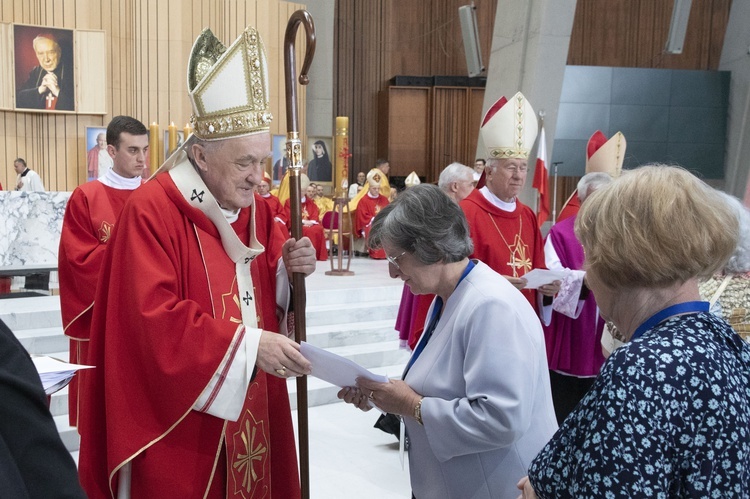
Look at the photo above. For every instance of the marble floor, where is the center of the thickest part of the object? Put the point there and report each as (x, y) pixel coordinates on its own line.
(349, 458)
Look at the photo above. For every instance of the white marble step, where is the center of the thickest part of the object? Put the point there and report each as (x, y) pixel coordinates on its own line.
(351, 333)
(31, 313)
(353, 294)
(68, 434)
(371, 355)
(45, 341)
(356, 312)
(59, 403)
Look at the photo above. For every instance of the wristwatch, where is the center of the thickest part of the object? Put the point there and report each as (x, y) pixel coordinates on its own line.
(418, 411)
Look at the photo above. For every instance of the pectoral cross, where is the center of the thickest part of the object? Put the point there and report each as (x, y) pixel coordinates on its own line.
(50, 104)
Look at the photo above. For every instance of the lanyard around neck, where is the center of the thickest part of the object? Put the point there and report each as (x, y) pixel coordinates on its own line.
(680, 308)
(433, 322)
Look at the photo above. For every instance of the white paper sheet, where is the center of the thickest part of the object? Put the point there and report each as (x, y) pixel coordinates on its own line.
(55, 374)
(335, 369)
(540, 277)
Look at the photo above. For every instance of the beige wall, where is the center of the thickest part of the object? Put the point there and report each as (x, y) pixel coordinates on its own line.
(147, 49)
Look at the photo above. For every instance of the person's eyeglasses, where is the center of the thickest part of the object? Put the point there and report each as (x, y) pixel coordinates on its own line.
(516, 169)
(393, 259)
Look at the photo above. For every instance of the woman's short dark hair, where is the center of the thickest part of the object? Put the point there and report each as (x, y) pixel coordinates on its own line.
(425, 222)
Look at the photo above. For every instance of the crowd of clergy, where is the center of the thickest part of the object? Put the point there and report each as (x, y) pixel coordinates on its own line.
(606, 359)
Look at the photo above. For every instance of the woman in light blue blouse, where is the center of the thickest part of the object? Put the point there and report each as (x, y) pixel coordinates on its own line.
(669, 414)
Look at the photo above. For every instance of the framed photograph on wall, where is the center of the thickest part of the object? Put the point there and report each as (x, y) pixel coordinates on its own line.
(319, 156)
(279, 161)
(43, 65)
(98, 160)
(180, 139)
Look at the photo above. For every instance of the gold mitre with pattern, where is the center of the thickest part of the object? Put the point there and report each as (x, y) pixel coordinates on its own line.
(509, 128)
(228, 87)
(375, 175)
(412, 180)
(604, 155)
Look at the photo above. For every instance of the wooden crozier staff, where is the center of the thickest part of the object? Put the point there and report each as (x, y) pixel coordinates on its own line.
(294, 153)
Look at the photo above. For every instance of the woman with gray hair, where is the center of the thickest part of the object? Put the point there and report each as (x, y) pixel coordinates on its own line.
(728, 291)
(669, 413)
(475, 395)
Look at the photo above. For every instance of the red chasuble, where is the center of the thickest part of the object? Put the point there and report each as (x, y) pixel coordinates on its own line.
(277, 211)
(314, 232)
(366, 210)
(90, 216)
(509, 242)
(165, 318)
(571, 207)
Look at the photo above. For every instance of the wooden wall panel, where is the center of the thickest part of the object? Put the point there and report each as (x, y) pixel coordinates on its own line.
(379, 39)
(429, 127)
(449, 140)
(146, 49)
(632, 33)
(408, 130)
(476, 100)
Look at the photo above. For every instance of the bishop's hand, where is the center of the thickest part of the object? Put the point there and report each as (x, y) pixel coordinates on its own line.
(299, 256)
(279, 356)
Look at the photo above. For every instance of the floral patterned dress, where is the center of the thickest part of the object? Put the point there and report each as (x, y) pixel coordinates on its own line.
(669, 416)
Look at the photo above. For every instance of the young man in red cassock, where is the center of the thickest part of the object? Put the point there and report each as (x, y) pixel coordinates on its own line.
(504, 230)
(370, 205)
(277, 210)
(311, 227)
(188, 398)
(90, 216)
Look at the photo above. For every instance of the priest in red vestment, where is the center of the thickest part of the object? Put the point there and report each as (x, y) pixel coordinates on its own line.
(90, 216)
(602, 155)
(370, 205)
(311, 227)
(573, 328)
(277, 210)
(504, 230)
(188, 398)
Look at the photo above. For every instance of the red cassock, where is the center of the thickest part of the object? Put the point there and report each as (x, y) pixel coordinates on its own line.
(315, 232)
(166, 314)
(90, 216)
(509, 242)
(367, 208)
(277, 212)
(571, 207)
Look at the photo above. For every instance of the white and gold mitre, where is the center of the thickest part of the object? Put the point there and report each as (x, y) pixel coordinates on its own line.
(228, 87)
(604, 155)
(509, 128)
(375, 175)
(412, 180)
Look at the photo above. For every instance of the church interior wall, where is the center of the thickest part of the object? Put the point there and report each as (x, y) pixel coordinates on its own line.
(147, 48)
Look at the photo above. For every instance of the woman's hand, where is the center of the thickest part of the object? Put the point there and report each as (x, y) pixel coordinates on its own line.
(353, 395)
(527, 491)
(395, 396)
(517, 282)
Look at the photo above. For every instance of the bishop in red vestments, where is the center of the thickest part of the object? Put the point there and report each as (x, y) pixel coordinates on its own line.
(369, 206)
(90, 216)
(504, 230)
(311, 227)
(189, 396)
(277, 210)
